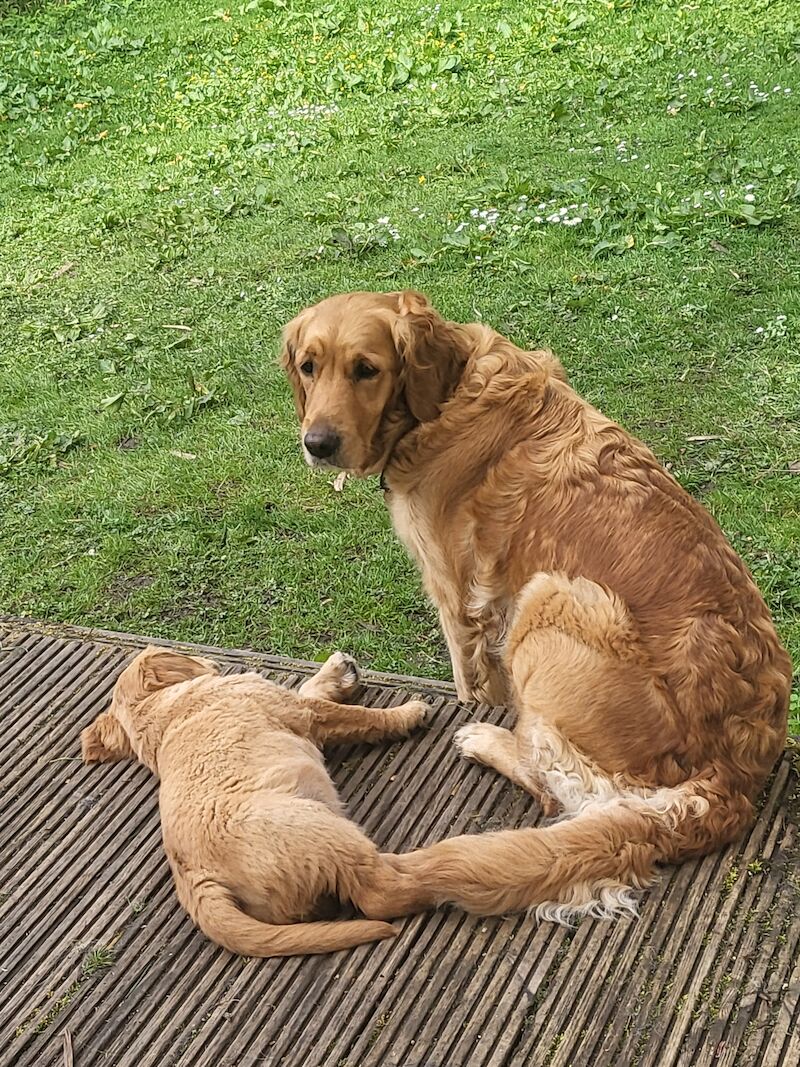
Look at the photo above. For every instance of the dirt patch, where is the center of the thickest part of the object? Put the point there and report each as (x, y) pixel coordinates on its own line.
(123, 586)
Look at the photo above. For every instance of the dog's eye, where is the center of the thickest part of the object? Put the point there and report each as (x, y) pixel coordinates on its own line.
(307, 367)
(365, 370)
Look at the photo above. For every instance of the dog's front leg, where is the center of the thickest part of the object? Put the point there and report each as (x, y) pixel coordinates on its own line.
(461, 645)
(352, 722)
(477, 672)
(493, 687)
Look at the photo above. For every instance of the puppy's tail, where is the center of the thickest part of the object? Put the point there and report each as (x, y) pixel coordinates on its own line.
(216, 911)
(588, 865)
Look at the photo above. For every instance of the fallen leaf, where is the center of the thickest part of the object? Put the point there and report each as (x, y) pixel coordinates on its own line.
(62, 270)
(717, 246)
(182, 455)
(614, 247)
(180, 342)
(794, 466)
(110, 403)
(339, 480)
(706, 437)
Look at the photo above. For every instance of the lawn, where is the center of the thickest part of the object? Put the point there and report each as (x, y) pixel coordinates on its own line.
(618, 180)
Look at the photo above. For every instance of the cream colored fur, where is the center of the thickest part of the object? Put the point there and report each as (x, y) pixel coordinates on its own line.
(254, 831)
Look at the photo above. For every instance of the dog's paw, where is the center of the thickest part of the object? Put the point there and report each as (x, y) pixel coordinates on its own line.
(411, 715)
(475, 740)
(418, 711)
(345, 668)
(341, 673)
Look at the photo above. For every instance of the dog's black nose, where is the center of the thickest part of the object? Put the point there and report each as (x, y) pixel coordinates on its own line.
(322, 442)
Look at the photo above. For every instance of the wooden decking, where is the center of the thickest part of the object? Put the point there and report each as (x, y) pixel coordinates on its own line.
(93, 944)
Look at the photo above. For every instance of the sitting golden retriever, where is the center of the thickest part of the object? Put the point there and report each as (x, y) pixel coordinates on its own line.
(252, 824)
(574, 578)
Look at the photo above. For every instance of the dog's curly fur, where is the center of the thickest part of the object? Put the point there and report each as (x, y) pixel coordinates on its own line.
(575, 579)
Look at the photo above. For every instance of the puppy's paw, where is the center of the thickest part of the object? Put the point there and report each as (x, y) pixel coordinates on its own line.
(475, 740)
(410, 716)
(340, 676)
(418, 712)
(345, 669)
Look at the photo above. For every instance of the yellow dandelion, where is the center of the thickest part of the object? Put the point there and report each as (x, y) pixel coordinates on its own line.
(422, 179)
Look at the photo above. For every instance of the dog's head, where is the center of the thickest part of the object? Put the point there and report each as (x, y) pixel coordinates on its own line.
(114, 734)
(365, 368)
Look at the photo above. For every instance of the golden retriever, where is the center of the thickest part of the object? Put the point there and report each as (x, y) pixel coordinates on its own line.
(253, 828)
(574, 578)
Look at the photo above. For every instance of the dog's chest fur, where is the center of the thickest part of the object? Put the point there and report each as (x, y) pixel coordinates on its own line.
(413, 523)
(439, 541)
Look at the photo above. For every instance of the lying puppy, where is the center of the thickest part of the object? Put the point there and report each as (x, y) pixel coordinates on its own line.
(253, 827)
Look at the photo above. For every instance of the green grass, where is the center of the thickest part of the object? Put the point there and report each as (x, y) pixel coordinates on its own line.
(94, 962)
(177, 181)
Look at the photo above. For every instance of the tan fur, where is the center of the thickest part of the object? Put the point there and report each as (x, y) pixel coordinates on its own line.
(253, 828)
(574, 578)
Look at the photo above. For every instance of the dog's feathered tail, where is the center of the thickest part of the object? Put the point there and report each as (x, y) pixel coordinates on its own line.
(218, 914)
(587, 865)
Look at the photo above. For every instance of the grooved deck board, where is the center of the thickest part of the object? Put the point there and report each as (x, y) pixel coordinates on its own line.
(709, 975)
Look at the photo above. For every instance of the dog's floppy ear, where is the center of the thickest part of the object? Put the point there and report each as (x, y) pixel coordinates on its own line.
(291, 339)
(105, 741)
(161, 667)
(155, 669)
(432, 353)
